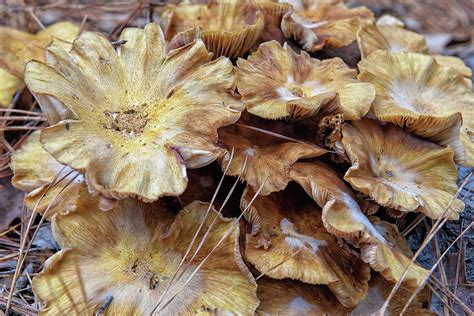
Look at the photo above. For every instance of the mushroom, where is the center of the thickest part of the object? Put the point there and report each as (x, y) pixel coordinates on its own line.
(259, 153)
(132, 121)
(131, 254)
(50, 186)
(429, 100)
(318, 24)
(9, 85)
(390, 35)
(342, 216)
(290, 297)
(18, 47)
(228, 27)
(401, 171)
(288, 240)
(379, 290)
(276, 83)
(375, 36)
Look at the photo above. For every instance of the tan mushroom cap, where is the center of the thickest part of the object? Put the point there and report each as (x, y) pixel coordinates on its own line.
(401, 171)
(267, 158)
(9, 85)
(456, 64)
(289, 297)
(317, 24)
(379, 289)
(17, 48)
(133, 120)
(429, 100)
(343, 217)
(387, 34)
(288, 240)
(51, 187)
(131, 254)
(227, 27)
(275, 82)
(372, 37)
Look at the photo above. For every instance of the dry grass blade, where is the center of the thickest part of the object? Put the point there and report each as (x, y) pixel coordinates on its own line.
(434, 230)
(264, 131)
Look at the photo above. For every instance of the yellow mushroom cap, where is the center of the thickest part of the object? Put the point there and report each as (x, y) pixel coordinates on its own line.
(51, 187)
(288, 240)
(275, 82)
(17, 48)
(9, 85)
(131, 254)
(317, 24)
(372, 37)
(289, 297)
(401, 171)
(227, 27)
(429, 100)
(259, 157)
(342, 216)
(136, 118)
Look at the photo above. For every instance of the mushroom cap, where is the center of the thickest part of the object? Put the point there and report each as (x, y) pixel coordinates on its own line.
(456, 64)
(317, 24)
(50, 186)
(267, 158)
(288, 240)
(289, 297)
(379, 290)
(389, 35)
(228, 28)
(401, 171)
(372, 37)
(131, 254)
(133, 120)
(275, 82)
(413, 91)
(18, 47)
(9, 85)
(342, 216)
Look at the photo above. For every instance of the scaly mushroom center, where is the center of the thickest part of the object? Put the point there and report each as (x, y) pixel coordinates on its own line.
(131, 121)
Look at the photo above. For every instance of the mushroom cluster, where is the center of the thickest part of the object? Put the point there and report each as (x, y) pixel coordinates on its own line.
(141, 132)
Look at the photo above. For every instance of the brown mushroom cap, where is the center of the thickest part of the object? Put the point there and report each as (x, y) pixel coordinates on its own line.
(343, 217)
(379, 289)
(413, 91)
(401, 171)
(267, 158)
(275, 82)
(228, 28)
(317, 24)
(288, 240)
(131, 254)
(138, 117)
(289, 297)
